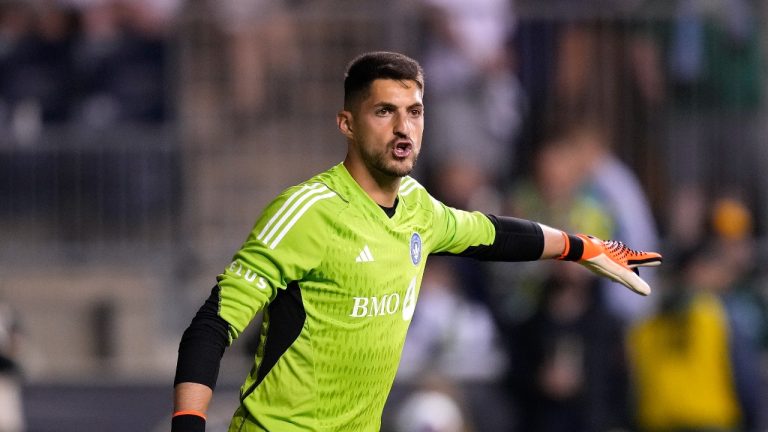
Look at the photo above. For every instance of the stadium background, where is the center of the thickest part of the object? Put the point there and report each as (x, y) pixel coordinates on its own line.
(124, 194)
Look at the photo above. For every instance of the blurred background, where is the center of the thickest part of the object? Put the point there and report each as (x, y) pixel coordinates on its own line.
(141, 138)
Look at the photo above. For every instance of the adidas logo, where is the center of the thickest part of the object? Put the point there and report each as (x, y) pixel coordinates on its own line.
(364, 255)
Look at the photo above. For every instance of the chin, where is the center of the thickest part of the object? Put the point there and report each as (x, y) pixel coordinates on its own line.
(394, 168)
(401, 171)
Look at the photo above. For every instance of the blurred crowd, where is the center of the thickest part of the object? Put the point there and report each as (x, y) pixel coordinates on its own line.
(78, 80)
(93, 63)
(638, 121)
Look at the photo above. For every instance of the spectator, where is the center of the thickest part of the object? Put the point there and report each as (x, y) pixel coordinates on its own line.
(705, 63)
(577, 66)
(37, 83)
(693, 368)
(568, 372)
(120, 62)
(253, 29)
(473, 89)
(95, 56)
(618, 189)
(732, 225)
(137, 76)
(554, 192)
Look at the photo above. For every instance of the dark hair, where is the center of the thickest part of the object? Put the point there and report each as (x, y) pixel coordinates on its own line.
(366, 68)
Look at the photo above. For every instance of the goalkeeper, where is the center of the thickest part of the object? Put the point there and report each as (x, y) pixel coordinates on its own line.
(336, 263)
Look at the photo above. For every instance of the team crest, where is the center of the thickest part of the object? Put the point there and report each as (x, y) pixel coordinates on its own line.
(415, 248)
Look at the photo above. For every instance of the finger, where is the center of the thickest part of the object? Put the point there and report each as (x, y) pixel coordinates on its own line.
(634, 282)
(645, 259)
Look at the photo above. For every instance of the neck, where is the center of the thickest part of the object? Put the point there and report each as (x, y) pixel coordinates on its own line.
(382, 189)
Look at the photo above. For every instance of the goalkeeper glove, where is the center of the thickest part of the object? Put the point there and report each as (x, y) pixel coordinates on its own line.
(610, 258)
(188, 421)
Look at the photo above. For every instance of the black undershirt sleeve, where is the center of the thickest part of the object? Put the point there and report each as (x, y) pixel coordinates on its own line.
(202, 345)
(516, 240)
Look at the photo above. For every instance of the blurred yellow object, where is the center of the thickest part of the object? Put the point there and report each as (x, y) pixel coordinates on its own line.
(731, 219)
(683, 374)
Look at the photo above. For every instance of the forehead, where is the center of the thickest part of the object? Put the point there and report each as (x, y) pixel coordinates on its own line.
(397, 92)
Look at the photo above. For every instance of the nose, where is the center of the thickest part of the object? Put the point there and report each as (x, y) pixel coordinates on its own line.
(402, 126)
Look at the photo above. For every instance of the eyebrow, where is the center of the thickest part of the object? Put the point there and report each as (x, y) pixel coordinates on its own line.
(385, 104)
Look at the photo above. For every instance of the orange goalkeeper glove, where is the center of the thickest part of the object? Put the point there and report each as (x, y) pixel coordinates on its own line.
(610, 258)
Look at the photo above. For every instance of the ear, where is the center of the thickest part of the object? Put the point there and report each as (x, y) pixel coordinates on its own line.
(344, 122)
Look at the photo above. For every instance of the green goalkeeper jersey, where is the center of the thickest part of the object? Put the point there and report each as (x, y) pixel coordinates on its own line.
(338, 281)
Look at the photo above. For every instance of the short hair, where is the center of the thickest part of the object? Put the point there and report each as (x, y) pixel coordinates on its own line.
(368, 67)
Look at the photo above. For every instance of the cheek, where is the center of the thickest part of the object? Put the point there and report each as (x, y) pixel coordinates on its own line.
(374, 130)
(417, 139)
(418, 129)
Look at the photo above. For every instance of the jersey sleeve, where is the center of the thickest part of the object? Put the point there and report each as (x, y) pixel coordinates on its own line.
(456, 230)
(284, 245)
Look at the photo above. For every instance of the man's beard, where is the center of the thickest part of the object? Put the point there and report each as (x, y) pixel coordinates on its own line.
(385, 164)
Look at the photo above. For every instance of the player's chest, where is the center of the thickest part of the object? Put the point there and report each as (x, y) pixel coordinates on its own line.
(375, 269)
(370, 244)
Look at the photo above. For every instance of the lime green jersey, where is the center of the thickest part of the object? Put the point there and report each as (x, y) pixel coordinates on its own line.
(338, 282)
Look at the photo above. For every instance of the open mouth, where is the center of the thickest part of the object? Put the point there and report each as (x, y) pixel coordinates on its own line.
(402, 149)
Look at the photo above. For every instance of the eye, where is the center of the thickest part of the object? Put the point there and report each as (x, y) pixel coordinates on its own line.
(383, 111)
(417, 112)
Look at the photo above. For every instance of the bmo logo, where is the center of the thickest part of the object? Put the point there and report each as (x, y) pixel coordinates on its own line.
(386, 305)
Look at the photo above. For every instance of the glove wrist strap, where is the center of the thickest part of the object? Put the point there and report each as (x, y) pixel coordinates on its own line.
(574, 248)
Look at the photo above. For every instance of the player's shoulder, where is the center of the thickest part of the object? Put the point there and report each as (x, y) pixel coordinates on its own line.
(318, 193)
(413, 193)
(307, 195)
(299, 211)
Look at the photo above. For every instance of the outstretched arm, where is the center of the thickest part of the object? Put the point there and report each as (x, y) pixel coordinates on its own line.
(524, 240)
